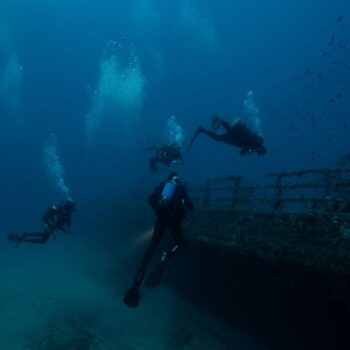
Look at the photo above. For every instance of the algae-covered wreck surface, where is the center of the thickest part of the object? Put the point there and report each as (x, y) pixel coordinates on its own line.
(276, 275)
(317, 241)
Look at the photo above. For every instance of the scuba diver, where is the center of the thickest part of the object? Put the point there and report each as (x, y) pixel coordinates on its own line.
(57, 217)
(167, 154)
(170, 201)
(238, 134)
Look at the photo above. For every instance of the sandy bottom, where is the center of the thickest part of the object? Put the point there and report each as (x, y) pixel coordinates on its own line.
(48, 300)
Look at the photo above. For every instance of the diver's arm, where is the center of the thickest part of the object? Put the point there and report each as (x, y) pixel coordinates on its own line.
(188, 202)
(66, 230)
(47, 217)
(154, 197)
(69, 219)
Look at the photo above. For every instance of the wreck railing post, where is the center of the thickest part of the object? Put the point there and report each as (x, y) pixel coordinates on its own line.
(207, 194)
(278, 196)
(278, 193)
(236, 183)
(328, 178)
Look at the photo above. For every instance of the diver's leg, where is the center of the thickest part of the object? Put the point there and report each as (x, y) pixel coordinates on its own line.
(36, 237)
(132, 296)
(225, 125)
(201, 130)
(211, 134)
(153, 280)
(177, 234)
(158, 233)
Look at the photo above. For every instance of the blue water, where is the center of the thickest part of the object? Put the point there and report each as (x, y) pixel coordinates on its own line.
(126, 67)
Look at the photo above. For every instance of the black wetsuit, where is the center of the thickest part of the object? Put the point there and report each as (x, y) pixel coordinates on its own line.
(169, 218)
(165, 155)
(57, 217)
(239, 135)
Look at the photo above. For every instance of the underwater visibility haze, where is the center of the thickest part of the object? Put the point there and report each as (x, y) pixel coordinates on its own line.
(90, 91)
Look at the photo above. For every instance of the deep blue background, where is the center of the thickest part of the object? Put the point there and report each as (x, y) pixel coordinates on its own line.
(275, 48)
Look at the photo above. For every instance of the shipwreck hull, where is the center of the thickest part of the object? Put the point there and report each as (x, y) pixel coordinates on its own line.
(283, 278)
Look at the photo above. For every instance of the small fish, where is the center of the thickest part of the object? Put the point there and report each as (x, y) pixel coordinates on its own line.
(329, 138)
(339, 19)
(332, 100)
(345, 126)
(339, 95)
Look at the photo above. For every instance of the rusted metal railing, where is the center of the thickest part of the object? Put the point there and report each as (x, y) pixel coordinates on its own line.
(330, 188)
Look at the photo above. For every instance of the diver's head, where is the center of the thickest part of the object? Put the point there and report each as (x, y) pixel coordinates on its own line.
(174, 177)
(261, 150)
(70, 205)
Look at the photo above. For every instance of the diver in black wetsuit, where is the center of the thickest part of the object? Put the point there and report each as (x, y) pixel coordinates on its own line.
(170, 201)
(57, 217)
(167, 154)
(238, 134)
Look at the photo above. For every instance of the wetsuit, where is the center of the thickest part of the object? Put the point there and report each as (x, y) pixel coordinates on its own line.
(238, 135)
(169, 218)
(166, 155)
(57, 217)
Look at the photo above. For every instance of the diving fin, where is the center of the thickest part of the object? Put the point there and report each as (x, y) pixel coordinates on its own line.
(153, 279)
(132, 297)
(14, 237)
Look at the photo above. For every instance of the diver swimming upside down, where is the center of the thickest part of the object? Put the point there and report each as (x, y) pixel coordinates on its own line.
(238, 134)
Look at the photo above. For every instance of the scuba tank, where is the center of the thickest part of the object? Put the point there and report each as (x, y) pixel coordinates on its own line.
(168, 193)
